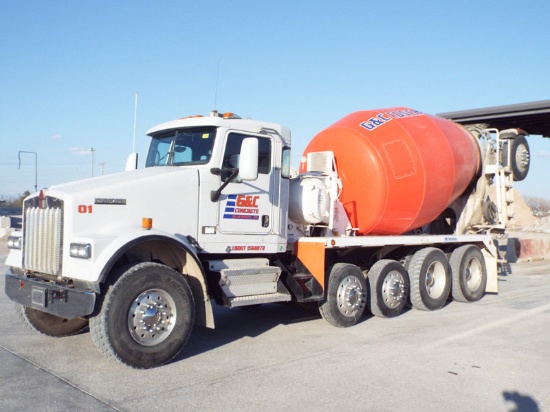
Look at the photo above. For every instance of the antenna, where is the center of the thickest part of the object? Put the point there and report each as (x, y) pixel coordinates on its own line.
(216, 91)
(132, 161)
(135, 118)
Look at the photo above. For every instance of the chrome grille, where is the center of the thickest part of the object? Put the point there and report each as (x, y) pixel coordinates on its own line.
(43, 240)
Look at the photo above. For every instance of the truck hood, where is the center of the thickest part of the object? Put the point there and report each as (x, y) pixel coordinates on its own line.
(117, 182)
(168, 195)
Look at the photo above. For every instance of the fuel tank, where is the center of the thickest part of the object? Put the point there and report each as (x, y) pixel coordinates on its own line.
(400, 168)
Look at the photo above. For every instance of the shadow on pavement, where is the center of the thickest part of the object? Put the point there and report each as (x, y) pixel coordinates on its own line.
(234, 324)
(522, 403)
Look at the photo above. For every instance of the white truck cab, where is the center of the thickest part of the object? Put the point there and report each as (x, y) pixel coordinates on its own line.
(232, 215)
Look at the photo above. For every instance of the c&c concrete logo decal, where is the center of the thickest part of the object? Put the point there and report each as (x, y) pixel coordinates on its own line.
(242, 207)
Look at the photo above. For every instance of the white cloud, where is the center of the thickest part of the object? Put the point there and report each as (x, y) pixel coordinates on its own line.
(543, 153)
(57, 136)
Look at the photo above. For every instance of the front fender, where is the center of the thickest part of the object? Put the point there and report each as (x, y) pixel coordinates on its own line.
(138, 245)
(109, 247)
(122, 245)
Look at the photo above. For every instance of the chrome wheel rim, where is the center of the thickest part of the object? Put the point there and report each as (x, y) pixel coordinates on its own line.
(436, 278)
(393, 289)
(350, 297)
(152, 317)
(473, 274)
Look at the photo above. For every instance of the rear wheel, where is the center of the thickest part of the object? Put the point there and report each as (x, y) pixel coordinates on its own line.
(469, 273)
(430, 278)
(146, 317)
(389, 288)
(345, 297)
(48, 324)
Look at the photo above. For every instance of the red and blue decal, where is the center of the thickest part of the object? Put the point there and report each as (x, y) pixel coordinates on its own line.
(242, 207)
(385, 117)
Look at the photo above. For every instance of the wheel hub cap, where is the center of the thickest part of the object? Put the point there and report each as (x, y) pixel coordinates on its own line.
(350, 297)
(152, 317)
(435, 280)
(522, 157)
(393, 289)
(473, 274)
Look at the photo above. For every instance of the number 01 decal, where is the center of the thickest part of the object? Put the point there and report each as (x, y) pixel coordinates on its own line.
(84, 208)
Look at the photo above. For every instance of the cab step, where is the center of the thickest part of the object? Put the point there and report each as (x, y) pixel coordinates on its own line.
(257, 299)
(249, 281)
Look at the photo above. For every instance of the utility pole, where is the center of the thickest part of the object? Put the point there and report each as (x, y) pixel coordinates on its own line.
(93, 151)
(35, 167)
(102, 164)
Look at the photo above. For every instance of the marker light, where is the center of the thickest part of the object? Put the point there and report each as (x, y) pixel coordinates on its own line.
(14, 242)
(81, 250)
(230, 115)
(147, 223)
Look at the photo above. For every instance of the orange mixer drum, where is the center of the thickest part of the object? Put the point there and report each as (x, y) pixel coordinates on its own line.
(400, 168)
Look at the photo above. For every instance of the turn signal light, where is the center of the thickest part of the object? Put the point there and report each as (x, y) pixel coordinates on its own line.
(147, 223)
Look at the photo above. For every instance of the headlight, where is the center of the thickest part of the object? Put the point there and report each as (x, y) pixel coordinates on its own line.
(81, 250)
(14, 242)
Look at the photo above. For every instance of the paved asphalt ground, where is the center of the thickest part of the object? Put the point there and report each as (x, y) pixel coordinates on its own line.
(493, 355)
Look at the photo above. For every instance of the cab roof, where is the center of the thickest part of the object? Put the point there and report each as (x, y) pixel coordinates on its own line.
(230, 122)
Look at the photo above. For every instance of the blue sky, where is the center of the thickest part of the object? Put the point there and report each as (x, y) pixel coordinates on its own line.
(69, 71)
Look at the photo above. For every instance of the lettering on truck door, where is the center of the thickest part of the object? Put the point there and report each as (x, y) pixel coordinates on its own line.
(246, 207)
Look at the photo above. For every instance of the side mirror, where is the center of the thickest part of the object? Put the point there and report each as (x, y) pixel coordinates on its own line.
(248, 162)
(132, 162)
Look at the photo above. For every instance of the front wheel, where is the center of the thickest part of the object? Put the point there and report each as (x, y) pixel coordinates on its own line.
(345, 297)
(48, 324)
(146, 317)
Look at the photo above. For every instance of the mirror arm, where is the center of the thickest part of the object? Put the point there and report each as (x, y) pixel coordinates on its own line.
(215, 194)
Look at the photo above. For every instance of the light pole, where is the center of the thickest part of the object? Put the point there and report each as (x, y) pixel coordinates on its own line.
(35, 167)
(92, 150)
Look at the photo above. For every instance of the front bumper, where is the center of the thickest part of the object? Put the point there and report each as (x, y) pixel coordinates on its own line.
(68, 303)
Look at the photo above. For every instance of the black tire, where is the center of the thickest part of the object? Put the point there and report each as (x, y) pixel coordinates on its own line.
(345, 296)
(311, 306)
(430, 277)
(469, 274)
(520, 157)
(388, 288)
(164, 294)
(48, 324)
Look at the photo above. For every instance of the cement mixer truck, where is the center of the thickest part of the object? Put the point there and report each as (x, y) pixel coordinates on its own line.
(390, 207)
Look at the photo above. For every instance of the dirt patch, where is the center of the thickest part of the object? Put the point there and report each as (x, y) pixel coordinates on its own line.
(523, 216)
(524, 220)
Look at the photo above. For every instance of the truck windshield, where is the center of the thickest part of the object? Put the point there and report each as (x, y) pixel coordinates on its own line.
(181, 147)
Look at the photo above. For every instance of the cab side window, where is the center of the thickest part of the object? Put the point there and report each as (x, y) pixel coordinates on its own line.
(233, 149)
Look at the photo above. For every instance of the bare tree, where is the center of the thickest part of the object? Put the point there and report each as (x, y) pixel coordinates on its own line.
(539, 206)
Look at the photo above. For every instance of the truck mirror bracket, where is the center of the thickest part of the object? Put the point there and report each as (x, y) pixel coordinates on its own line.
(215, 194)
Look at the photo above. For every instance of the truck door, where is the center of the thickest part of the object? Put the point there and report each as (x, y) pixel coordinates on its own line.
(246, 207)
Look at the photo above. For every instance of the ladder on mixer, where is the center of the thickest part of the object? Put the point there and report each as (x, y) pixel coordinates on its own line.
(498, 167)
